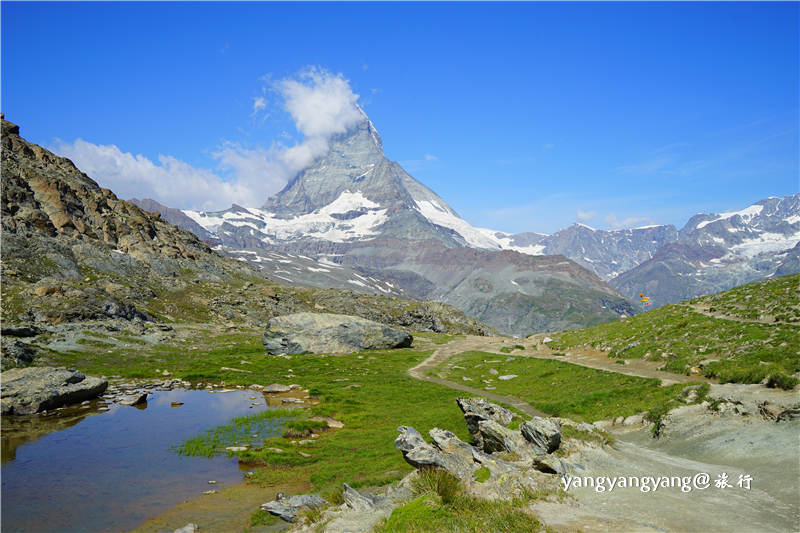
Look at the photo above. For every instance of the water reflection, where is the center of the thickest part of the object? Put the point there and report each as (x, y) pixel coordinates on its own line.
(111, 471)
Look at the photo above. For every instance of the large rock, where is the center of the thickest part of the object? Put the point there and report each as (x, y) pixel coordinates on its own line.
(476, 410)
(30, 390)
(330, 333)
(544, 434)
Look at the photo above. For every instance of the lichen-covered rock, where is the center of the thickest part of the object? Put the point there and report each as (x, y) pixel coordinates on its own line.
(543, 433)
(329, 333)
(34, 389)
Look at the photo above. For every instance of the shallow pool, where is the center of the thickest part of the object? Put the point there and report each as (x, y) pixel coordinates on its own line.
(112, 470)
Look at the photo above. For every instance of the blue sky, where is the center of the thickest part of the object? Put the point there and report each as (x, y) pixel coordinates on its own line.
(523, 116)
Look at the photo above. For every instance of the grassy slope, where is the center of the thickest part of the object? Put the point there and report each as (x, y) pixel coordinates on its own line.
(730, 349)
(560, 389)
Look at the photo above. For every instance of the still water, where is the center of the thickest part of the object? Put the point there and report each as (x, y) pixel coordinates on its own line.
(113, 470)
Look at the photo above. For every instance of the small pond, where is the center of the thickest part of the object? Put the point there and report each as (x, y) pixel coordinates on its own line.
(91, 470)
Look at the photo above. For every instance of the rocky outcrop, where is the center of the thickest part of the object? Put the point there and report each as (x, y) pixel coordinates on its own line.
(477, 410)
(544, 434)
(47, 195)
(511, 460)
(31, 390)
(329, 333)
(288, 508)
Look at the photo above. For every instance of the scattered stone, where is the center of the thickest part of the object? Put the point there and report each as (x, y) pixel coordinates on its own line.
(134, 399)
(506, 377)
(236, 448)
(175, 404)
(634, 420)
(291, 400)
(791, 413)
(493, 371)
(166, 373)
(188, 528)
(332, 423)
(306, 455)
(546, 340)
(543, 433)
(224, 368)
(256, 387)
(212, 482)
(34, 389)
(276, 387)
(208, 492)
(274, 450)
(330, 333)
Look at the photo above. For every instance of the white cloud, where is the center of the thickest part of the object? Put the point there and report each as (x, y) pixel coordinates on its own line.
(629, 222)
(258, 104)
(429, 157)
(320, 103)
(585, 215)
(171, 181)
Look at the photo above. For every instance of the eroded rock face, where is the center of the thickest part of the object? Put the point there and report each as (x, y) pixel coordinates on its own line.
(476, 410)
(544, 434)
(30, 390)
(329, 333)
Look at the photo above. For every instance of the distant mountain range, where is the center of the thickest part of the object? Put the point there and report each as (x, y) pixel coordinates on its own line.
(354, 208)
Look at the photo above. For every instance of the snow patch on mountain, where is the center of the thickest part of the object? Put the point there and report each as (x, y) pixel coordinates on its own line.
(746, 213)
(362, 222)
(766, 242)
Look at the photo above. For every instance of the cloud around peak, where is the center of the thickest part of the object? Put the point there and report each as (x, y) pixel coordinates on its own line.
(321, 104)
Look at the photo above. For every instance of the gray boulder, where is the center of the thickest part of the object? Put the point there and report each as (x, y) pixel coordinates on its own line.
(477, 409)
(329, 333)
(30, 390)
(543, 433)
(498, 438)
(134, 399)
(288, 508)
(454, 456)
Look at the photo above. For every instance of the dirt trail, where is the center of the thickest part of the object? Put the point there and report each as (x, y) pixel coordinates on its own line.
(535, 348)
(597, 359)
(470, 342)
(704, 310)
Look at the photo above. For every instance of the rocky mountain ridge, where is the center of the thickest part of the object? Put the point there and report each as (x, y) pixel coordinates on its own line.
(75, 256)
(715, 252)
(355, 208)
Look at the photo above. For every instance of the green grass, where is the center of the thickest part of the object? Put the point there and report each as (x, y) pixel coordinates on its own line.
(442, 504)
(562, 389)
(372, 402)
(240, 431)
(729, 350)
(437, 338)
(482, 474)
(777, 299)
